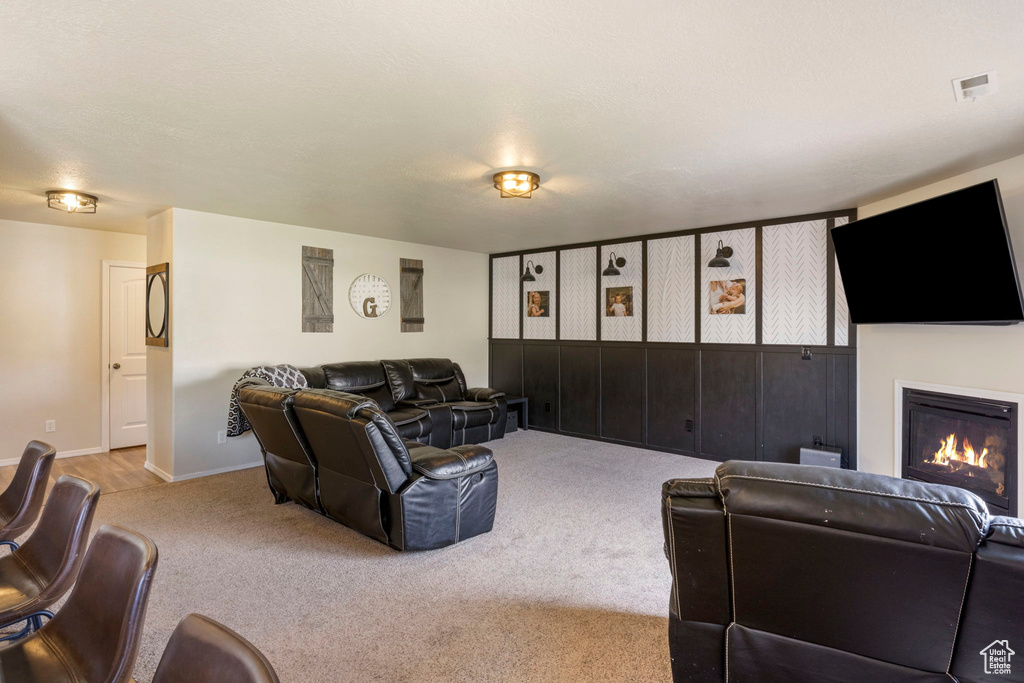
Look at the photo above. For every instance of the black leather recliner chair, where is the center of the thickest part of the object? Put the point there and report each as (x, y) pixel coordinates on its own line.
(788, 573)
(406, 494)
(438, 385)
(290, 463)
(427, 399)
(367, 378)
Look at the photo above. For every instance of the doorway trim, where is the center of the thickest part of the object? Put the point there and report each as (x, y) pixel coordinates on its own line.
(105, 346)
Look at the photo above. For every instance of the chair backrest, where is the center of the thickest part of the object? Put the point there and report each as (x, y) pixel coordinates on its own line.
(995, 603)
(21, 501)
(438, 378)
(55, 550)
(97, 630)
(291, 463)
(807, 565)
(363, 378)
(315, 377)
(202, 651)
(360, 453)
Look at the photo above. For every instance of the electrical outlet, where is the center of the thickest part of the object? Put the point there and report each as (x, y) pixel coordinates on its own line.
(547, 406)
(222, 436)
(51, 426)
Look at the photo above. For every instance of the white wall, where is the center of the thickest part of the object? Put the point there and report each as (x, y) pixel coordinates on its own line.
(159, 359)
(237, 294)
(967, 356)
(50, 279)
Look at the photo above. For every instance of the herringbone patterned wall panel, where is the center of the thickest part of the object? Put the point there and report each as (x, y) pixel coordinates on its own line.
(842, 337)
(625, 328)
(579, 291)
(540, 327)
(670, 285)
(505, 298)
(736, 328)
(794, 281)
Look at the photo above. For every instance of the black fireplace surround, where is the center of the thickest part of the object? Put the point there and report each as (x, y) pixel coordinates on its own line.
(962, 441)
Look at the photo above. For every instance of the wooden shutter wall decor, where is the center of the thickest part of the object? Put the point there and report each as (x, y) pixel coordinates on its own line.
(411, 292)
(317, 289)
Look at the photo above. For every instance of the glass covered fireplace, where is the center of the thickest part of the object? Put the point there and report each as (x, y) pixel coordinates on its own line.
(962, 441)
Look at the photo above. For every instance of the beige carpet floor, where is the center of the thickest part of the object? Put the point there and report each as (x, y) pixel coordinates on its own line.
(571, 585)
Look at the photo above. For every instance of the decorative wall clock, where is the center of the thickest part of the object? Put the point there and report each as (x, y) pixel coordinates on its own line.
(370, 296)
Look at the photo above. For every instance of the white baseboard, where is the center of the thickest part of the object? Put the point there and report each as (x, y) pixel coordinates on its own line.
(60, 454)
(157, 471)
(195, 475)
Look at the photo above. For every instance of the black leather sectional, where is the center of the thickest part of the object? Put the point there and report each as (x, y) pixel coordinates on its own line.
(789, 574)
(426, 398)
(338, 453)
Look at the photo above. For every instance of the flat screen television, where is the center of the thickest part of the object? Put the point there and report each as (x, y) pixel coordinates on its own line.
(946, 260)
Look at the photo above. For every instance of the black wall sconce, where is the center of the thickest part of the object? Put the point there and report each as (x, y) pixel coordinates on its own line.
(528, 276)
(722, 257)
(612, 263)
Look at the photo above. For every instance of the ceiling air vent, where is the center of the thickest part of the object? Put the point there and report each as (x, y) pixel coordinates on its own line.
(970, 88)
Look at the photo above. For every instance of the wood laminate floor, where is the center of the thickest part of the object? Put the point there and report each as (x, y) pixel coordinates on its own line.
(114, 471)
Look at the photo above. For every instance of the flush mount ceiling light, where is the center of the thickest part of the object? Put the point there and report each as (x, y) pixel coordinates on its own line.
(722, 257)
(612, 263)
(72, 202)
(528, 276)
(519, 184)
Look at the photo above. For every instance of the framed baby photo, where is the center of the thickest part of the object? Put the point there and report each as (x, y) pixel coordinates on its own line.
(537, 304)
(618, 302)
(728, 297)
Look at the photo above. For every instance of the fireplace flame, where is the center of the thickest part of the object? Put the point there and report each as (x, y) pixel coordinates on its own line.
(964, 460)
(948, 453)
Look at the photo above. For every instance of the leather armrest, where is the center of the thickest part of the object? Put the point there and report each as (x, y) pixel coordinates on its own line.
(1007, 530)
(435, 463)
(416, 402)
(483, 394)
(690, 488)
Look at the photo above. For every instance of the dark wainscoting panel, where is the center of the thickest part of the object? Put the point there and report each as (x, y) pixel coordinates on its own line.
(842, 419)
(727, 404)
(794, 395)
(540, 384)
(579, 405)
(746, 402)
(507, 368)
(622, 393)
(671, 392)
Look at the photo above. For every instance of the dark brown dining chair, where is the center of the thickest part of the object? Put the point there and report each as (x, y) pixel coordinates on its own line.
(44, 568)
(21, 501)
(94, 638)
(202, 651)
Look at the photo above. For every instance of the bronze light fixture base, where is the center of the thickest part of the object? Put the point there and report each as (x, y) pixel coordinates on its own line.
(70, 201)
(518, 184)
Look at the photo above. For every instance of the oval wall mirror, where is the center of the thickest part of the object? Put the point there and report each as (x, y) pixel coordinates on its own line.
(157, 304)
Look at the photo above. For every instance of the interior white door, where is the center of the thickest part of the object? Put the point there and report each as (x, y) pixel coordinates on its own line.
(127, 368)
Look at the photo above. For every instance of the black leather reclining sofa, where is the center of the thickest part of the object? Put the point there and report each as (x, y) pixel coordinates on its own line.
(796, 574)
(426, 398)
(339, 454)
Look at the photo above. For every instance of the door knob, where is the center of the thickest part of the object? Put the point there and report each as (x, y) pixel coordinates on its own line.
(116, 366)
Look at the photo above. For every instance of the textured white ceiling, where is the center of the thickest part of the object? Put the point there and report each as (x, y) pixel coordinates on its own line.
(388, 118)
